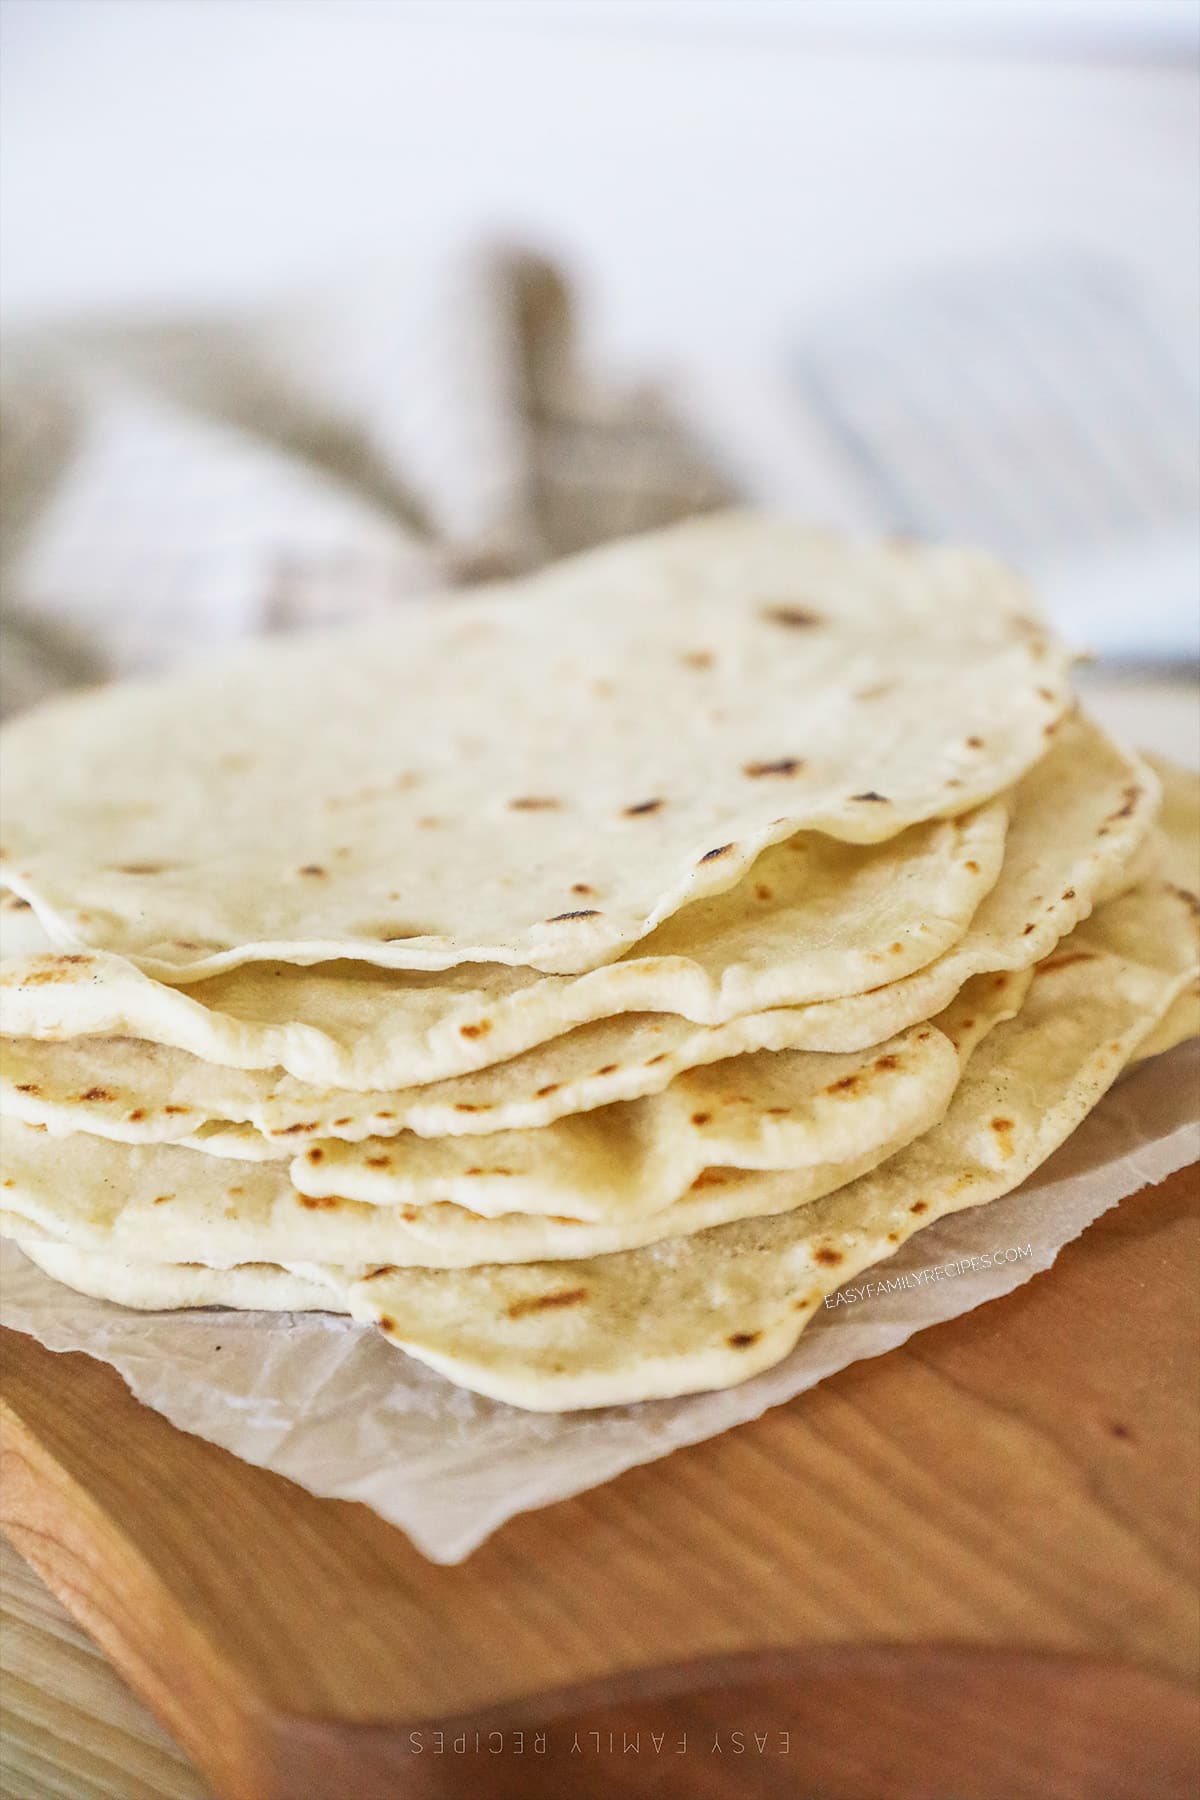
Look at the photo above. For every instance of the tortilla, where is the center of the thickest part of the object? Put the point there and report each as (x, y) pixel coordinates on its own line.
(538, 774)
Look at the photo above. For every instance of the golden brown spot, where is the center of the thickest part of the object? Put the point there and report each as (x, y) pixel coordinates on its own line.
(1028, 929)
(974, 743)
(14, 903)
(319, 1203)
(297, 1130)
(409, 1214)
(347, 1120)
(99, 1093)
(875, 693)
(1003, 1129)
(535, 803)
(379, 1162)
(378, 1115)
(1068, 893)
(387, 1324)
(919, 1206)
(846, 1085)
(710, 1178)
(786, 765)
(971, 866)
(651, 1060)
(1047, 694)
(316, 1154)
(872, 795)
(28, 1087)
(581, 887)
(429, 823)
(896, 949)
(697, 659)
(1001, 981)
(642, 806)
(560, 918)
(479, 1029)
(778, 1112)
(712, 855)
(967, 1024)
(374, 1274)
(551, 1087)
(459, 1106)
(701, 1118)
(161, 1199)
(742, 1340)
(885, 1063)
(236, 1190)
(953, 781)
(796, 618)
(173, 1112)
(313, 869)
(763, 892)
(543, 1302)
(137, 1115)
(608, 1069)
(489, 1171)
(9, 1182)
(828, 1256)
(140, 868)
(893, 1237)
(1050, 729)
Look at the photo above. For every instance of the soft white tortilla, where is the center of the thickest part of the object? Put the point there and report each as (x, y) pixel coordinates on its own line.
(536, 775)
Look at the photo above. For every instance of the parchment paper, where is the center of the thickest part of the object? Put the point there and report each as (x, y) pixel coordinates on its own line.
(334, 1407)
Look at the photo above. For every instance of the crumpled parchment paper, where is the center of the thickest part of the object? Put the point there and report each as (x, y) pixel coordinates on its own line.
(334, 1407)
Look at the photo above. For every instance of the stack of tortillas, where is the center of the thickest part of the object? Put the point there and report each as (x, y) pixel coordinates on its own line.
(581, 979)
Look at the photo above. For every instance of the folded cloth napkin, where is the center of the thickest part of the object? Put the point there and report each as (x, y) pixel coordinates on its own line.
(170, 484)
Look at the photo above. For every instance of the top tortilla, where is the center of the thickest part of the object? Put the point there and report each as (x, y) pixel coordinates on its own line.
(536, 775)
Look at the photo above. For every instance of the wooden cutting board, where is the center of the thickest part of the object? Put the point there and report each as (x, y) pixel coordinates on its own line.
(965, 1569)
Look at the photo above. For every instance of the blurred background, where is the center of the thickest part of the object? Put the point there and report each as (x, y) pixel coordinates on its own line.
(308, 305)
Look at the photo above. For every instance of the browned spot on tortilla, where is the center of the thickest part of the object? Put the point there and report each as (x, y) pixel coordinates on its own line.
(379, 1162)
(9, 1182)
(1003, 1129)
(551, 1087)
(971, 866)
(185, 943)
(1050, 729)
(14, 903)
(701, 1118)
(28, 1087)
(560, 918)
(137, 1115)
(429, 823)
(313, 869)
(459, 1106)
(99, 1093)
(797, 618)
(919, 1206)
(543, 1302)
(893, 1237)
(846, 1085)
(175, 1112)
(1001, 981)
(140, 868)
(581, 887)
(710, 1178)
(608, 1069)
(1068, 893)
(896, 949)
(872, 795)
(58, 968)
(489, 1171)
(884, 1063)
(319, 1203)
(778, 1112)
(316, 1154)
(1028, 929)
(786, 765)
(697, 659)
(374, 1274)
(651, 1060)
(742, 1340)
(378, 1115)
(479, 1029)
(953, 781)
(346, 1120)
(409, 1214)
(161, 1199)
(829, 1256)
(297, 1130)
(641, 806)
(876, 692)
(1129, 798)
(974, 743)
(1046, 693)
(712, 855)
(967, 1024)
(763, 892)
(387, 1324)
(535, 803)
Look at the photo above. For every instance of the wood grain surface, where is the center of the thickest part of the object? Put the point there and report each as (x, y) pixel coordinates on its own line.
(986, 1539)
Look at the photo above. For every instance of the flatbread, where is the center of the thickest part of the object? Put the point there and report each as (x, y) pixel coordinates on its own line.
(167, 1204)
(538, 774)
(1079, 819)
(710, 1310)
